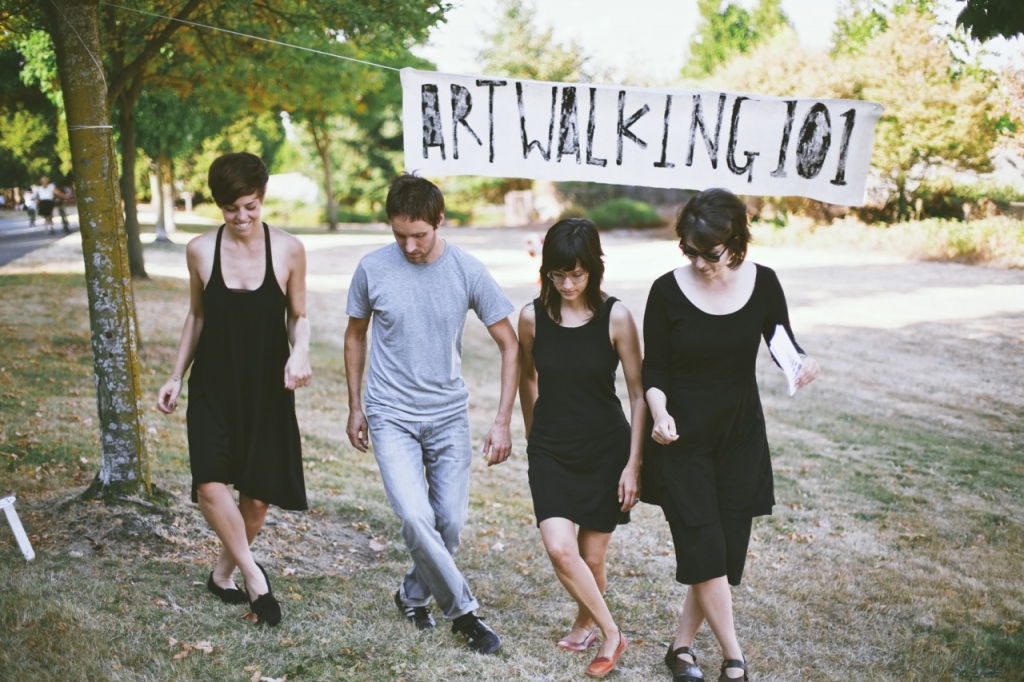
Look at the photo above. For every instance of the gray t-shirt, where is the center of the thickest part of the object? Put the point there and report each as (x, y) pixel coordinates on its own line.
(419, 313)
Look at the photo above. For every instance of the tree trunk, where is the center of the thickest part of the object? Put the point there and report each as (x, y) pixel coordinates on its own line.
(322, 141)
(157, 201)
(126, 110)
(166, 166)
(124, 466)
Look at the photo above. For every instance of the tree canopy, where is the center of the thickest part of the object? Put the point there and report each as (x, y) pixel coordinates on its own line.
(986, 19)
(936, 114)
(519, 48)
(725, 32)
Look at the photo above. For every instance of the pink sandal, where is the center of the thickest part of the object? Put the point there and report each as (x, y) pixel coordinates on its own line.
(567, 644)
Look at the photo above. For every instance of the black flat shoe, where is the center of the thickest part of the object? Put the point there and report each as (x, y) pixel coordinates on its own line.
(265, 607)
(683, 671)
(734, 663)
(228, 595)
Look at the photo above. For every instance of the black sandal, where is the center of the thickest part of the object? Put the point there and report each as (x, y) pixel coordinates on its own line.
(228, 595)
(266, 608)
(733, 663)
(682, 671)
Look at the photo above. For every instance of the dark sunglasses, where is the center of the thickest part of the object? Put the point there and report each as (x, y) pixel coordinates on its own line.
(709, 256)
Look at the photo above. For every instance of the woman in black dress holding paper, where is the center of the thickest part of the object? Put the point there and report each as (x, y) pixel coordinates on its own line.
(709, 466)
(584, 455)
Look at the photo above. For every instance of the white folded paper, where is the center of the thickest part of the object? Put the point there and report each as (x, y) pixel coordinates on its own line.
(786, 354)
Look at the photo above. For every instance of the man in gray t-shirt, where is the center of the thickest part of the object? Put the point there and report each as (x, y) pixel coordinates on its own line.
(418, 291)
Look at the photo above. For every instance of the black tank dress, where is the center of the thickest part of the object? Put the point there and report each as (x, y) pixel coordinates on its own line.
(579, 441)
(720, 467)
(242, 428)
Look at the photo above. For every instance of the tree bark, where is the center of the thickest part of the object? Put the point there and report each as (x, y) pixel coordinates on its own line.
(322, 142)
(124, 465)
(166, 166)
(156, 202)
(126, 110)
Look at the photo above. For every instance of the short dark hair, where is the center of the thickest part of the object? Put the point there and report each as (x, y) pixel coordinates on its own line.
(713, 217)
(412, 197)
(570, 242)
(237, 174)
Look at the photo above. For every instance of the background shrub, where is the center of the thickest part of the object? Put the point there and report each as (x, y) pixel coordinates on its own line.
(625, 213)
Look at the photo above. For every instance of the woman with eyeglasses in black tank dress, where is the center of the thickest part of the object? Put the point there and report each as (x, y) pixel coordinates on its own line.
(584, 455)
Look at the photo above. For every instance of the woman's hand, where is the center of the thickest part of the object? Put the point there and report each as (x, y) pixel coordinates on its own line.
(664, 429)
(167, 396)
(629, 487)
(808, 372)
(297, 371)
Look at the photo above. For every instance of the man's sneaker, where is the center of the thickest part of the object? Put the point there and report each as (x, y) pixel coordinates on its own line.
(418, 615)
(479, 637)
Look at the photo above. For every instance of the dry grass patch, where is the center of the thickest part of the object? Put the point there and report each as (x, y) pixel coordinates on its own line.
(894, 552)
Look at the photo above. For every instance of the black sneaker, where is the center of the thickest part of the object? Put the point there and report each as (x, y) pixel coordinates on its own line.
(479, 637)
(418, 615)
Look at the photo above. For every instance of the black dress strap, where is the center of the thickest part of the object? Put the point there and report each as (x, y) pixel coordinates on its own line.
(215, 274)
(268, 273)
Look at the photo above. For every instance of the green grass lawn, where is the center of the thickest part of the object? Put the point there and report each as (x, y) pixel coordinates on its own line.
(895, 551)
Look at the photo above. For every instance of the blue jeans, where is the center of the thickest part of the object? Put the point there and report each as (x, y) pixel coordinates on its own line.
(425, 469)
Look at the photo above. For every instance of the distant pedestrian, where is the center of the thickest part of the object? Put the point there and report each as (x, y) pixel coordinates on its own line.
(61, 201)
(47, 194)
(30, 206)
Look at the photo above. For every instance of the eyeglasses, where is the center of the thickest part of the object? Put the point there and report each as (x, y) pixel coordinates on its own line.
(709, 256)
(577, 277)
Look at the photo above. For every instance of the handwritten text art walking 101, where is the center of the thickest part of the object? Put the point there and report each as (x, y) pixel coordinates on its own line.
(689, 139)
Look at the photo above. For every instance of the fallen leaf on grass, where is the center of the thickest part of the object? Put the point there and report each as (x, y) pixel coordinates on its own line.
(159, 602)
(205, 647)
(289, 571)
(180, 656)
(377, 546)
(1010, 627)
(9, 455)
(497, 546)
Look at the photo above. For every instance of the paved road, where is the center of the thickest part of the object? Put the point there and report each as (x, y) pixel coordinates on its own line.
(18, 237)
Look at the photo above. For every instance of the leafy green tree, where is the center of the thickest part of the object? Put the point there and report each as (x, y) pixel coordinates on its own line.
(860, 21)
(136, 35)
(27, 127)
(936, 113)
(725, 32)
(519, 48)
(986, 19)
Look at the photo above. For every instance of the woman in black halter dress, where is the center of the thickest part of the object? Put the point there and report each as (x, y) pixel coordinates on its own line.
(247, 304)
(584, 455)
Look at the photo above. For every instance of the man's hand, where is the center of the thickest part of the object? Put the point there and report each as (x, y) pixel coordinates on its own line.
(498, 444)
(357, 430)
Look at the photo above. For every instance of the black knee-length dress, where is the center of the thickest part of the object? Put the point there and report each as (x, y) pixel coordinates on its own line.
(704, 363)
(242, 428)
(580, 438)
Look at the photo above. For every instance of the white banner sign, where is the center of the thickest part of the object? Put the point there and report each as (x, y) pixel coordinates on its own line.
(686, 139)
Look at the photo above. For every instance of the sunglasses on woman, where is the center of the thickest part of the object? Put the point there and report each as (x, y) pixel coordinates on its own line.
(709, 256)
